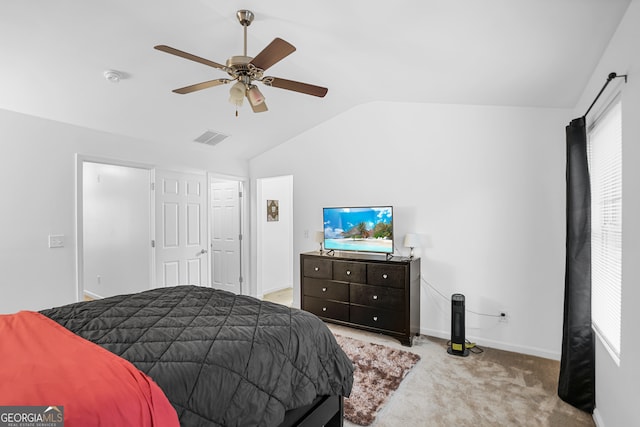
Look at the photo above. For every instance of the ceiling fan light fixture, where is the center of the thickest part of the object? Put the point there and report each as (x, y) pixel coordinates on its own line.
(236, 102)
(255, 96)
(236, 94)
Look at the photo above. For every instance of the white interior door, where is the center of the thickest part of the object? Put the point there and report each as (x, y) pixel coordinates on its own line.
(225, 236)
(181, 229)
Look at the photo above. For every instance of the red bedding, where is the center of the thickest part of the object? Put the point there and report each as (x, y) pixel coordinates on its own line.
(44, 364)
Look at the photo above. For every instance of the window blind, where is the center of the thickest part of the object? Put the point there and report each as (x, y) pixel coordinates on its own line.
(605, 167)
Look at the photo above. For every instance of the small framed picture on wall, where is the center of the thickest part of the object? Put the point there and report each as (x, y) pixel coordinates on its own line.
(273, 210)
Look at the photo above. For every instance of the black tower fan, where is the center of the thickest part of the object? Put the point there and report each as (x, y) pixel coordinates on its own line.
(458, 345)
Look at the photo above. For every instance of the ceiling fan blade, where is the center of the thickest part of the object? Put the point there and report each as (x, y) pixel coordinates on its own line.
(260, 108)
(274, 52)
(299, 87)
(200, 86)
(189, 56)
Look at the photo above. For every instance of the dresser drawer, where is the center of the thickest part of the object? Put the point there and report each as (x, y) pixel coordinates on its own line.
(349, 271)
(377, 318)
(386, 275)
(324, 308)
(318, 268)
(365, 292)
(326, 289)
(377, 296)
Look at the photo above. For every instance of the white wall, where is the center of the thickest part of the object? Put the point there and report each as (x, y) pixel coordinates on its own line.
(274, 237)
(484, 186)
(37, 184)
(617, 391)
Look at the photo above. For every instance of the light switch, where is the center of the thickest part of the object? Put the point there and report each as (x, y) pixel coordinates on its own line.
(56, 241)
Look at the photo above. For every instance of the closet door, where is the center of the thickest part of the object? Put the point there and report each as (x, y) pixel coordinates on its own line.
(225, 236)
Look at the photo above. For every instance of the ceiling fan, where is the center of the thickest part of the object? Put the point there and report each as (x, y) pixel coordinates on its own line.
(245, 71)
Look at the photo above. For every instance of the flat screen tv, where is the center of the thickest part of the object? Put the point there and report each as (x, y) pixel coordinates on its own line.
(361, 229)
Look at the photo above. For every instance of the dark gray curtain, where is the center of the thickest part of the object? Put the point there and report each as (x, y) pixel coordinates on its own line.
(576, 384)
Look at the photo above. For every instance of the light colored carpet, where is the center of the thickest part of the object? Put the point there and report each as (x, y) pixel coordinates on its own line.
(495, 388)
(283, 296)
(379, 370)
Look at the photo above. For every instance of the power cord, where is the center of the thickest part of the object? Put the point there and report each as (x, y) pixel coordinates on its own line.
(471, 346)
(449, 300)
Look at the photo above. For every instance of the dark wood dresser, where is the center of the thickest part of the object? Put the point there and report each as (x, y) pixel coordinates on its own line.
(363, 291)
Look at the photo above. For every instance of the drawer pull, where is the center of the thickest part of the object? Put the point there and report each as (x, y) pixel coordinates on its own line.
(375, 297)
(324, 289)
(375, 318)
(324, 308)
(316, 268)
(348, 272)
(384, 276)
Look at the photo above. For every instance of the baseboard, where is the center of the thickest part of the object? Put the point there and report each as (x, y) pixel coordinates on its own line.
(92, 295)
(597, 419)
(532, 351)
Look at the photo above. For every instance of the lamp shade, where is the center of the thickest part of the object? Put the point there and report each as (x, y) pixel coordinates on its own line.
(236, 93)
(255, 96)
(319, 236)
(411, 240)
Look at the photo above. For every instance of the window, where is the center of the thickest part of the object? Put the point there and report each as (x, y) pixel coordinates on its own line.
(605, 166)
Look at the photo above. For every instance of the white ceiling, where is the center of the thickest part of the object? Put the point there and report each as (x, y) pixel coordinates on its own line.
(491, 52)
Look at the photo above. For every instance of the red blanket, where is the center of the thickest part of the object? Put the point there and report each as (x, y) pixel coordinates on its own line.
(44, 364)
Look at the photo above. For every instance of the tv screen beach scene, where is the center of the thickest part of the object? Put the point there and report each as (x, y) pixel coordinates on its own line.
(365, 229)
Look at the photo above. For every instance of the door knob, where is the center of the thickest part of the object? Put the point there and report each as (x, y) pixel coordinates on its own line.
(202, 252)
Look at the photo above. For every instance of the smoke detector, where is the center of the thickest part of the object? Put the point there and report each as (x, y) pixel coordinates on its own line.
(112, 76)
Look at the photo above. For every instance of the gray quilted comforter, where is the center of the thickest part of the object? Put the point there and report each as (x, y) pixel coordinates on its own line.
(220, 358)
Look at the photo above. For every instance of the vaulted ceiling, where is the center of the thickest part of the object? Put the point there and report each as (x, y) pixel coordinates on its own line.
(493, 52)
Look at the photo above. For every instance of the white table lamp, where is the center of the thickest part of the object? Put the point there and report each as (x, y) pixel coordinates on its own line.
(411, 240)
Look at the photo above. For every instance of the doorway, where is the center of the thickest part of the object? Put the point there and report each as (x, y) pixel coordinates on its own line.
(114, 229)
(274, 235)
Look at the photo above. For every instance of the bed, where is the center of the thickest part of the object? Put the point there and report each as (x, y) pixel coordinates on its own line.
(222, 359)
(51, 377)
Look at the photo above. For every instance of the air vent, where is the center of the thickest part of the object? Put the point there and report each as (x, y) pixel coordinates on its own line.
(211, 137)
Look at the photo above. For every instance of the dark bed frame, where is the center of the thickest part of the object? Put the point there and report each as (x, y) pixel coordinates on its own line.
(324, 411)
